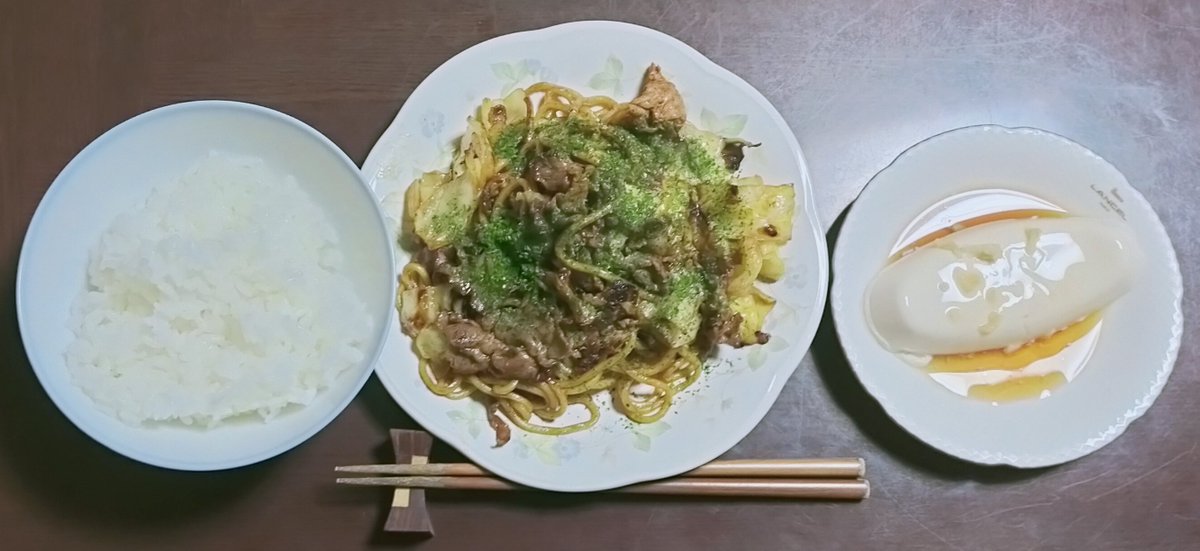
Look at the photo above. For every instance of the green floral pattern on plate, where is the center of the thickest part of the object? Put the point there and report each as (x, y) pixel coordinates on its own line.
(608, 80)
(643, 435)
(470, 417)
(509, 74)
(541, 447)
(728, 126)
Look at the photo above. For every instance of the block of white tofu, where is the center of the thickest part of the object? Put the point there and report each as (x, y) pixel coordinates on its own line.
(1000, 284)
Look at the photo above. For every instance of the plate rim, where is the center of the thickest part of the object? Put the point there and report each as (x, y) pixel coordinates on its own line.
(1069, 452)
(781, 376)
(37, 221)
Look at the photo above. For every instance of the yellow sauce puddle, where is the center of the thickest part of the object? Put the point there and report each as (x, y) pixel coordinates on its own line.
(1022, 388)
(1042, 348)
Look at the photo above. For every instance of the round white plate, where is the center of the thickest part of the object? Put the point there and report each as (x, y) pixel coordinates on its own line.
(736, 391)
(1138, 341)
(114, 175)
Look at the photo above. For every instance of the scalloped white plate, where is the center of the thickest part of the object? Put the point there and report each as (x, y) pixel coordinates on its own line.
(1139, 339)
(735, 393)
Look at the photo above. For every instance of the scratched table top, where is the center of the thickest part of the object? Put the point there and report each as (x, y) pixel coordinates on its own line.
(858, 82)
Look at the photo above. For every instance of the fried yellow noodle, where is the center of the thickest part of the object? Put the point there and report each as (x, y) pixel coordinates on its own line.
(578, 246)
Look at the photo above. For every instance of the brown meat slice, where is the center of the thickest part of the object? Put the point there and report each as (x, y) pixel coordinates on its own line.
(442, 261)
(463, 365)
(559, 282)
(503, 432)
(491, 191)
(657, 106)
(474, 350)
(552, 174)
(547, 351)
(595, 344)
(732, 153)
(574, 199)
(514, 363)
(468, 334)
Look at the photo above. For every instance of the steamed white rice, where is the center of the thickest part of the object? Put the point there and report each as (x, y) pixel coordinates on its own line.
(224, 295)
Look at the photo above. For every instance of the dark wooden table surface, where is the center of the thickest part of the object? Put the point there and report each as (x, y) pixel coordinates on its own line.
(858, 81)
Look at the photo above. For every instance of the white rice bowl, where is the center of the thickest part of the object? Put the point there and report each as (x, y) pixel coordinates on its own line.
(265, 320)
(222, 296)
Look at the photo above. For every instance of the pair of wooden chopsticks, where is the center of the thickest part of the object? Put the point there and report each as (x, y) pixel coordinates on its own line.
(833, 479)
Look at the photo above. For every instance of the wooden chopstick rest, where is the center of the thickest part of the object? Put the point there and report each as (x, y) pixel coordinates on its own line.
(408, 513)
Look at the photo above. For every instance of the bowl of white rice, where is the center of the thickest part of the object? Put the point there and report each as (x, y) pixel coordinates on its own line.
(206, 285)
